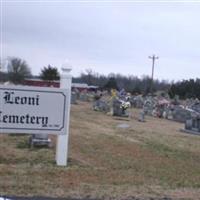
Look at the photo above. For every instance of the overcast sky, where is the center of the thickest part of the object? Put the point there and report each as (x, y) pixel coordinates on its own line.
(107, 37)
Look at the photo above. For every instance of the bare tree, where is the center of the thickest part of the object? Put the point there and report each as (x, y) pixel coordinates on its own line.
(18, 70)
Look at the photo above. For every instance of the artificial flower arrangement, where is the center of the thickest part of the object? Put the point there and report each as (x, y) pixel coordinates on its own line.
(124, 105)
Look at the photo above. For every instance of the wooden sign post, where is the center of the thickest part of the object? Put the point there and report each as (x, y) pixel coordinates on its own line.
(62, 140)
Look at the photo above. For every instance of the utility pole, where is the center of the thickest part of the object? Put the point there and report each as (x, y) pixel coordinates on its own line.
(153, 62)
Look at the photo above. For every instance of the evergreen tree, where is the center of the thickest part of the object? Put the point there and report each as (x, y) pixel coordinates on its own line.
(111, 84)
(49, 74)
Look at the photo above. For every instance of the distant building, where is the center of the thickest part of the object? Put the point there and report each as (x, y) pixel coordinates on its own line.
(41, 83)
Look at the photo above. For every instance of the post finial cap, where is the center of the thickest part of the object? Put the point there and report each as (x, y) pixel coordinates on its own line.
(66, 66)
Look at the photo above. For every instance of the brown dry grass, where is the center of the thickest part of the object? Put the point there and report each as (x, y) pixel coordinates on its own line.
(151, 159)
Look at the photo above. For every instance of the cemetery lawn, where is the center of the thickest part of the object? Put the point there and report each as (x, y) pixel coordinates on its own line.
(151, 159)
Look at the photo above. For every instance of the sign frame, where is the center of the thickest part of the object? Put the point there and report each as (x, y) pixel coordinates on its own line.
(41, 90)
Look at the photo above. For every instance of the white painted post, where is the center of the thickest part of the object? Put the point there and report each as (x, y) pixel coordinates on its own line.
(62, 140)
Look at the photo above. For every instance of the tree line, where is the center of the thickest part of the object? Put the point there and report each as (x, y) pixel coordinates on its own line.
(18, 70)
(186, 89)
(130, 83)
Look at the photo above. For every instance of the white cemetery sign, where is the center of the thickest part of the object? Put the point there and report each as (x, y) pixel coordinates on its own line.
(33, 110)
(38, 110)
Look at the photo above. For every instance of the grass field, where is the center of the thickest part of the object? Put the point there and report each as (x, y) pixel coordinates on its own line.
(151, 159)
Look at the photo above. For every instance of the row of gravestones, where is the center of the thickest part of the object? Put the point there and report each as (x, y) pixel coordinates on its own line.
(116, 107)
(176, 113)
(150, 107)
(189, 115)
(81, 96)
(170, 111)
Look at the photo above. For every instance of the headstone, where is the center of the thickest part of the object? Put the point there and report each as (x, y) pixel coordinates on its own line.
(188, 124)
(83, 97)
(170, 115)
(120, 108)
(137, 101)
(196, 124)
(196, 107)
(192, 125)
(90, 97)
(199, 125)
(149, 107)
(39, 140)
(73, 98)
(101, 105)
(142, 116)
(122, 94)
(117, 110)
(164, 114)
(180, 114)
